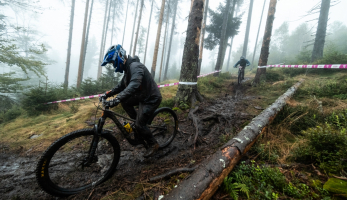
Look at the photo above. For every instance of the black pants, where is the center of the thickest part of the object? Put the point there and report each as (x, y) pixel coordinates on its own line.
(142, 116)
(243, 72)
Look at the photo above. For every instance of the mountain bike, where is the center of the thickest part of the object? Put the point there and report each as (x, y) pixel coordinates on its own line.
(85, 158)
(240, 75)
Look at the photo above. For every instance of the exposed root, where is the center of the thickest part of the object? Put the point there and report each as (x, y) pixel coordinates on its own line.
(170, 173)
(195, 120)
(342, 178)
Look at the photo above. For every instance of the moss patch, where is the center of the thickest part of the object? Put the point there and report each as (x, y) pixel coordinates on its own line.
(336, 186)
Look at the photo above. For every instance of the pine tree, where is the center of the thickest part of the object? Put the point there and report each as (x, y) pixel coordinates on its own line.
(138, 26)
(172, 32)
(157, 40)
(319, 42)
(141, 41)
(67, 69)
(215, 33)
(264, 54)
(188, 92)
(149, 26)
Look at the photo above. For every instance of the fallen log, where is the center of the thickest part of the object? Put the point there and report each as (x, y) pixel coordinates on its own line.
(206, 179)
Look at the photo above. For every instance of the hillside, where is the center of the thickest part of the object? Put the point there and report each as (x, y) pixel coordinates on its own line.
(320, 102)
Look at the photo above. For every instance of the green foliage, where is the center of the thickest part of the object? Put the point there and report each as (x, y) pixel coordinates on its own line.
(325, 146)
(261, 183)
(298, 118)
(338, 119)
(234, 188)
(304, 57)
(167, 103)
(332, 56)
(211, 84)
(263, 153)
(331, 88)
(6, 103)
(10, 56)
(10, 114)
(214, 28)
(74, 107)
(91, 87)
(9, 83)
(266, 183)
(33, 100)
(108, 81)
(183, 106)
(273, 76)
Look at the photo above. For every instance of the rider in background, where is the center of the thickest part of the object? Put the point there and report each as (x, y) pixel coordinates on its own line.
(137, 87)
(242, 62)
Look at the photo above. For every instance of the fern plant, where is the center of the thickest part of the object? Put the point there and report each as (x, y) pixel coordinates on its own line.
(234, 188)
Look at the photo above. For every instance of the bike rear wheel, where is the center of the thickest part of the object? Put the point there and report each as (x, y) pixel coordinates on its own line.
(164, 126)
(62, 169)
(239, 78)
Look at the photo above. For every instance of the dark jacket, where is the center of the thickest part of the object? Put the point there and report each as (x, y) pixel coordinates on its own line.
(137, 82)
(243, 63)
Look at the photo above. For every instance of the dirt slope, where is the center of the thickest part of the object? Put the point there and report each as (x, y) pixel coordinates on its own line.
(221, 118)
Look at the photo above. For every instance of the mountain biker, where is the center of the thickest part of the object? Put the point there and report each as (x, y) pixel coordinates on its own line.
(242, 62)
(137, 87)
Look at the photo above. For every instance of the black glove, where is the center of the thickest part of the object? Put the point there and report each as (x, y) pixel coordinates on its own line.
(112, 103)
(104, 96)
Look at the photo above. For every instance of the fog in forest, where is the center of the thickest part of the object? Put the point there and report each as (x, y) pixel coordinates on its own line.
(42, 29)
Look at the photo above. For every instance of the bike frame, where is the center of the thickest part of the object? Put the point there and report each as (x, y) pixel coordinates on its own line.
(107, 113)
(239, 73)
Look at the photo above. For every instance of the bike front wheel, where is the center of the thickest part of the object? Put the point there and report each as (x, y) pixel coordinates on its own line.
(64, 169)
(164, 126)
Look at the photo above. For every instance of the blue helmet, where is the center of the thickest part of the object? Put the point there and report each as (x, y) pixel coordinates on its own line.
(116, 54)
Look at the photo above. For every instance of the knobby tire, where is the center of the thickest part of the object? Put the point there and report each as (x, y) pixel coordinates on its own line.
(168, 118)
(43, 173)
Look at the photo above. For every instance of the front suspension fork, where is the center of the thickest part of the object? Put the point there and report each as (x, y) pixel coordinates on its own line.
(94, 144)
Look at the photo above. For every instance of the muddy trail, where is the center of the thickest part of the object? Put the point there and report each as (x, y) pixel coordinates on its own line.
(201, 132)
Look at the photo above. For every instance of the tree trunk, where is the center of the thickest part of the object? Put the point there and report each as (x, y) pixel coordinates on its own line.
(80, 67)
(231, 40)
(187, 89)
(114, 15)
(222, 42)
(149, 26)
(245, 44)
(157, 40)
(106, 30)
(230, 48)
(138, 27)
(67, 69)
(125, 23)
(225, 46)
(208, 177)
(264, 53)
(165, 34)
(318, 47)
(102, 42)
(256, 41)
(202, 37)
(132, 34)
(87, 37)
(172, 31)
(224, 52)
